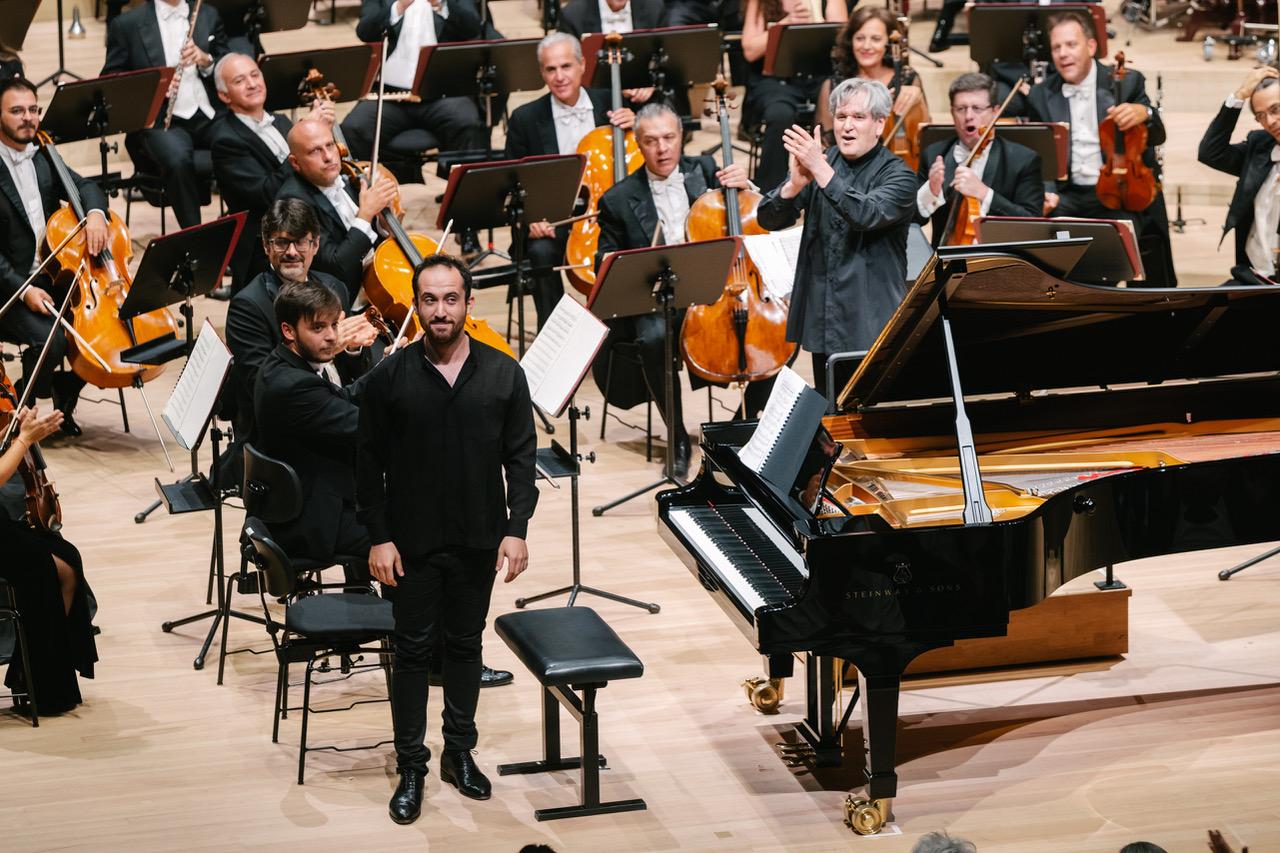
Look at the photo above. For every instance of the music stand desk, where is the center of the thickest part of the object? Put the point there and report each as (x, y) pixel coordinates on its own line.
(1040, 137)
(996, 29)
(351, 69)
(800, 50)
(685, 55)
(466, 69)
(106, 105)
(1110, 257)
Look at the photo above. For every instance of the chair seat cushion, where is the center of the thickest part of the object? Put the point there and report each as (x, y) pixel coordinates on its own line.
(568, 645)
(340, 615)
(412, 141)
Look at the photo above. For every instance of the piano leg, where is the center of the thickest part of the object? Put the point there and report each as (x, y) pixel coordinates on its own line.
(818, 727)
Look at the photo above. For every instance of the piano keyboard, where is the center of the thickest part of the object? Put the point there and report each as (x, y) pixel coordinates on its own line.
(753, 560)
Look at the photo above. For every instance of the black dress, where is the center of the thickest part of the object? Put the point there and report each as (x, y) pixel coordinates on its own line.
(59, 644)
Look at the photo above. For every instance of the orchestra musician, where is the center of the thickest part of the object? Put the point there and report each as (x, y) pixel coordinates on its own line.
(554, 124)
(858, 200)
(1254, 212)
(611, 16)
(30, 193)
(862, 50)
(155, 34)
(657, 197)
(250, 154)
(1079, 91)
(346, 211)
(1005, 179)
(47, 577)
(441, 421)
(774, 103)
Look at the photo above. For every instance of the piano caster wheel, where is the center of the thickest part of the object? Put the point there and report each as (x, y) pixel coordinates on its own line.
(765, 694)
(865, 817)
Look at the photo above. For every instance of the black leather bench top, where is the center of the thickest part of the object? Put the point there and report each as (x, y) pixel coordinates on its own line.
(568, 645)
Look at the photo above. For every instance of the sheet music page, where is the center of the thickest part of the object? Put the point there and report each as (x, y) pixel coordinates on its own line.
(561, 354)
(775, 255)
(786, 390)
(196, 391)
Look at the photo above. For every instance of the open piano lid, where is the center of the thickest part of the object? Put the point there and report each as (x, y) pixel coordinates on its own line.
(1019, 329)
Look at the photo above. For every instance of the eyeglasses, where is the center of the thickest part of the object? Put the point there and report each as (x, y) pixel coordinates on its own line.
(1273, 112)
(282, 244)
(962, 111)
(18, 112)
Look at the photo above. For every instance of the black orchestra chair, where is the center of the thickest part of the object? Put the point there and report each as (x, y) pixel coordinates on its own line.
(628, 351)
(408, 152)
(315, 626)
(146, 183)
(10, 618)
(570, 649)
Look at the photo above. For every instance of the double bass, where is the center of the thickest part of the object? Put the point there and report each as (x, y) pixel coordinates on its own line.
(1125, 182)
(741, 337)
(611, 155)
(43, 511)
(902, 132)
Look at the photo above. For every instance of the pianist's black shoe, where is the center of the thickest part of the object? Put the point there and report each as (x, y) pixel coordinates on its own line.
(459, 769)
(489, 677)
(683, 451)
(406, 802)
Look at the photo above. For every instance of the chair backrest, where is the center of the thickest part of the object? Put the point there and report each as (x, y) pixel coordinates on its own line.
(271, 491)
(269, 558)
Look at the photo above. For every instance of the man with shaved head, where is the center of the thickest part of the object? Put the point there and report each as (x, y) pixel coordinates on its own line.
(346, 209)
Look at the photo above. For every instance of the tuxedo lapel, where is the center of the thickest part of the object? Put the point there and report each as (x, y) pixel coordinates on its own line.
(10, 190)
(546, 124)
(646, 212)
(695, 183)
(992, 172)
(149, 35)
(1102, 91)
(321, 204)
(255, 143)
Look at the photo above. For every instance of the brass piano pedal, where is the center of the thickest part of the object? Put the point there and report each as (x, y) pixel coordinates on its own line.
(865, 817)
(795, 754)
(765, 694)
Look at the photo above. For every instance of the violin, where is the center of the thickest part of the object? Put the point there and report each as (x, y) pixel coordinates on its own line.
(101, 290)
(43, 512)
(902, 132)
(741, 337)
(611, 155)
(962, 222)
(1125, 182)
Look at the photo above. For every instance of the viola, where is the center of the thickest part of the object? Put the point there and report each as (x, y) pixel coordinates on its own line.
(101, 290)
(962, 223)
(741, 337)
(611, 155)
(43, 511)
(902, 132)
(1125, 182)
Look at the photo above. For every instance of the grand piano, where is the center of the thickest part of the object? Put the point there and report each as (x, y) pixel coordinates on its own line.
(1010, 430)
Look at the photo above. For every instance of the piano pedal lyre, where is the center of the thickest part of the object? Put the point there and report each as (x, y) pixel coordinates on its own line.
(865, 817)
(795, 754)
(765, 694)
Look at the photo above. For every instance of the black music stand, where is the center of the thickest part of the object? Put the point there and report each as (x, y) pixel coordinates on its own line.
(1018, 33)
(104, 106)
(262, 16)
(350, 69)
(1111, 257)
(1038, 136)
(176, 268)
(662, 279)
(658, 57)
(483, 69)
(512, 193)
(800, 50)
(18, 21)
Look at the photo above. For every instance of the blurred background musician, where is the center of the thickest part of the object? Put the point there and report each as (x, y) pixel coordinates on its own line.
(1005, 179)
(1079, 91)
(1254, 212)
(250, 154)
(30, 193)
(612, 16)
(155, 34)
(554, 124)
(774, 102)
(858, 200)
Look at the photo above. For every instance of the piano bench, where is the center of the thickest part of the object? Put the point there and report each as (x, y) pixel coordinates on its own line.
(573, 653)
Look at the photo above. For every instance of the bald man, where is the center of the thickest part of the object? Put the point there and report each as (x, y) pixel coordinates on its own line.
(346, 211)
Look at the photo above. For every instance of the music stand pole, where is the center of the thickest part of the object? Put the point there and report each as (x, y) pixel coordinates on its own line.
(62, 71)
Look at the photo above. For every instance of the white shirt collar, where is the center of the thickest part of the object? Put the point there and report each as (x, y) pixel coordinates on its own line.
(16, 157)
(1087, 86)
(583, 103)
(615, 22)
(165, 12)
(675, 179)
(267, 121)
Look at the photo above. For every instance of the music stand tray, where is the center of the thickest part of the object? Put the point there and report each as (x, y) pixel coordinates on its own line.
(685, 56)
(351, 69)
(996, 30)
(478, 195)
(467, 68)
(1110, 258)
(800, 50)
(182, 265)
(106, 105)
(1049, 139)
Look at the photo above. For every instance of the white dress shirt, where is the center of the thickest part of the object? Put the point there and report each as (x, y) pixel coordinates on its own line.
(928, 203)
(346, 207)
(672, 202)
(1260, 245)
(326, 370)
(417, 32)
(23, 171)
(615, 22)
(573, 123)
(265, 128)
(1086, 148)
(174, 23)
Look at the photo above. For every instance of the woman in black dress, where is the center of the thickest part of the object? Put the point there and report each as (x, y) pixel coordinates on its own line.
(48, 581)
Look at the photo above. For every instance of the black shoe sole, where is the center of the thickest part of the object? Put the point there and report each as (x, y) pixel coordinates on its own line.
(448, 777)
(497, 682)
(403, 821)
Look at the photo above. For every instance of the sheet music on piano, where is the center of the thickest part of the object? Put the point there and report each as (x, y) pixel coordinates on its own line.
(562, 353)
(776, 450)
(190, 406)
(775, 255)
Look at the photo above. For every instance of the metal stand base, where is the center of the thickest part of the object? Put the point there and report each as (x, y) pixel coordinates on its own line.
(56, 76)
(1111, 581)
(574, 589)
(665, 481)
(1225, 574)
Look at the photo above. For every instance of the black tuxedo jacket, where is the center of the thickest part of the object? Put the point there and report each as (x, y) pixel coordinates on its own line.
(1249, 160)
(309, 423)
(248, 177)
(1047, 103)
(18, 243)
(463, 23)
(531, 130)
(583, 16)
(1012, 172)
(342, 249)
(133, 43)
(628, 215)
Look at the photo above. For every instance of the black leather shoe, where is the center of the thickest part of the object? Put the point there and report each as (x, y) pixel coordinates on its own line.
(683, 451)
(69, 426)
(469, 243)
(406, 802)
(222, 294)
(489, 677)
(459, 769)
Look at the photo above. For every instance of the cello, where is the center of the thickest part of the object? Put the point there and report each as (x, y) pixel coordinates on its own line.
(611, 156)
(1125, 182)
(741, 337)
(99, 333)
(902, 134)
(962, 222)
(43, 511)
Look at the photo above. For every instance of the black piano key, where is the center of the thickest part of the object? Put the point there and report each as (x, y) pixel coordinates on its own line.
(750, 551)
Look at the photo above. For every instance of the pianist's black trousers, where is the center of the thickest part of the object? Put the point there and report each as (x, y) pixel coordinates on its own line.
(456, 124)
(173, 151)
(1151, 228)
(446, 591)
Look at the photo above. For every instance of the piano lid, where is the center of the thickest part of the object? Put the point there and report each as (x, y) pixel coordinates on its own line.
(1019, 329)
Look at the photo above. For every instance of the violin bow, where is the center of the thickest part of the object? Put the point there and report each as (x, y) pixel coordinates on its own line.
(983, 138)
(377, 121)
